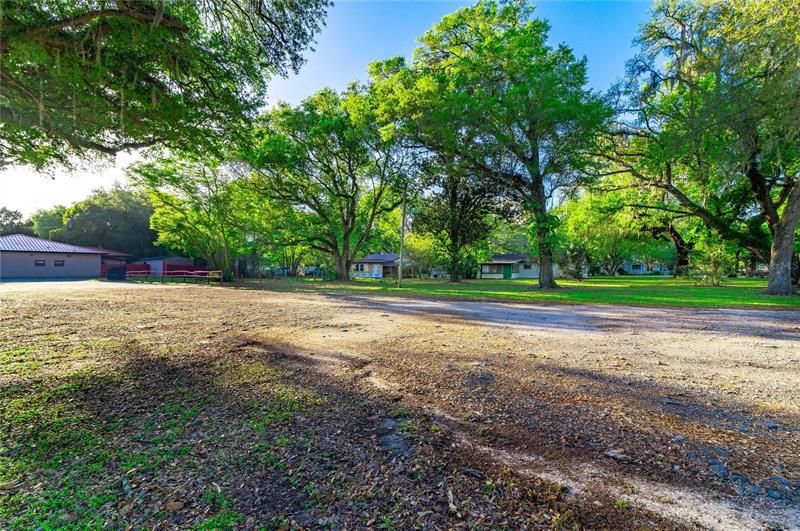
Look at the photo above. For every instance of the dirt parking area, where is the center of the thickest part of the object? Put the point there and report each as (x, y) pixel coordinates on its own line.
(215, 407)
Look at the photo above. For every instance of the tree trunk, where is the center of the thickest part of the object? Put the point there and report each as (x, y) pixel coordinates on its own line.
(782, 225)
(547, 279)
(750, 266)
(782, 251)
(682, 250)
(455, 274)
(342, 267)
(780, 260)
(454, 269)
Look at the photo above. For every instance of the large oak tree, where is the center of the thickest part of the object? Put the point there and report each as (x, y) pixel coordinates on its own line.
(486, 84)
(330, 160)
(717, 120)
(80, 76)
(197, 207)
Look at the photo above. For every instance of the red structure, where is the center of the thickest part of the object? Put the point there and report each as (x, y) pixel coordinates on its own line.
(137, 268)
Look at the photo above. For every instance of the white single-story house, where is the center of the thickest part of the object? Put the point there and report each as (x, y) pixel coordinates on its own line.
(380, 265)
(636, 267)
(160, 264)
(506, 266)
(23, 256)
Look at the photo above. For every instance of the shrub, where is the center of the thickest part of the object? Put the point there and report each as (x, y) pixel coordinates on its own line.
(711, 263)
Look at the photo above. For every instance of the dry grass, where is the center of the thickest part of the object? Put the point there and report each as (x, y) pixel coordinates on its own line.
(217, 408)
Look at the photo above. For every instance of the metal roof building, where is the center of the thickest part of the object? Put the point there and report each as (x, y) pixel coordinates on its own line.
(23, 256)
(23, 243)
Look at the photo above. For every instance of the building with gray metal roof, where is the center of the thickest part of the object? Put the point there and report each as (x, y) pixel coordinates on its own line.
(23, 257)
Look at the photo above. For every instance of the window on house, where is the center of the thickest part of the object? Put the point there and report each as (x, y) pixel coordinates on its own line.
(515, 268)
(38, 263)
(492, 268)
(358, 267)
(58, 263)
(527, 265)
(637, 267)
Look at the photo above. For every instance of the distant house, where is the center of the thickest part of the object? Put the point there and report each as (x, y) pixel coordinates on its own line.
(380, 265)
(23, 256)
(509, 266)
(636, 267)
(161, 264)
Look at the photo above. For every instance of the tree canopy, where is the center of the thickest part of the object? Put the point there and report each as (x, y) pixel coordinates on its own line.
(96, 76)
(116, 219)
(196, 208)
(717, 124)
(13, 222)
(329, 159)
(458, 211)
(485, 84)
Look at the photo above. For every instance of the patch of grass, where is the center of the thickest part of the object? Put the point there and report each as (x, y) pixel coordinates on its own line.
(71, 507)
(622, 505)
(407, 427)
(255, 372)
(625, 290)
(267, 457)
(226, 517)
(217, 499)
(19, 361)
(313, 497)
(386, 523)
(222, 520)
(284, 440)
(142, 461)
(401, 411)
(281, 407)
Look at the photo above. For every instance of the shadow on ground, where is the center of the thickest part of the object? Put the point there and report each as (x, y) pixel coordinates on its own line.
(246, 433)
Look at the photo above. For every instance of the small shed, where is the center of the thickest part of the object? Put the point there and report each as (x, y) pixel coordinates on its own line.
(111, 259)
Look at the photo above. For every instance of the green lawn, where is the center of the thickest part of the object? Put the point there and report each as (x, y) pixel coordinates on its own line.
(626, 290)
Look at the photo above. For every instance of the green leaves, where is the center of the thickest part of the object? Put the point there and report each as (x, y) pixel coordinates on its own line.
(198, 208)
(718, 119)
(94, 76)
(335, 163)
(485, 87)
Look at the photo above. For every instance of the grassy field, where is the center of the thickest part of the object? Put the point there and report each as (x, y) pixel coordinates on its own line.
(636, 291)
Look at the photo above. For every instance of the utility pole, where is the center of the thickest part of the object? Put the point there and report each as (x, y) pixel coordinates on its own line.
(402, 239)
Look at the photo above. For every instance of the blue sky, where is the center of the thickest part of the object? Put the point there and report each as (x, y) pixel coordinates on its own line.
(357, 33)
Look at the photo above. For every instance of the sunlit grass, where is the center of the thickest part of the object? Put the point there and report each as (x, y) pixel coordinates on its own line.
(639, 291)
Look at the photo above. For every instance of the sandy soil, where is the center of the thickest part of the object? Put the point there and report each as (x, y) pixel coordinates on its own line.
(694, 415)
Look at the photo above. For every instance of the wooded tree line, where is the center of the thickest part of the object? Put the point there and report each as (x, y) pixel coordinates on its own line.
(116, 219)
(489, 133)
